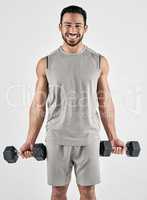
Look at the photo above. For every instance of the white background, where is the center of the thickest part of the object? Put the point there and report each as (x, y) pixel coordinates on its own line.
(29, 31)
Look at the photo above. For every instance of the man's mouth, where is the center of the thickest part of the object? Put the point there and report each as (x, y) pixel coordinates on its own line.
(75, 36)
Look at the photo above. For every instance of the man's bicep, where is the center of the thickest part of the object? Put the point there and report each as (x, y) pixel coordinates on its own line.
(41, 88)
(103, 90)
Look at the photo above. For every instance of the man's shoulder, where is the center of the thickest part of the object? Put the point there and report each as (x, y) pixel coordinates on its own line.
(52, 52)
(93, 52)
(48, 56)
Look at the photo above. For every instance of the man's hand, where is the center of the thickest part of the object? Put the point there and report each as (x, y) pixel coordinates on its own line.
(118, 146)
(26, 150)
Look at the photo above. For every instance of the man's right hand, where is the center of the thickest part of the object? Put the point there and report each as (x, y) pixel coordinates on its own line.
(26, 150)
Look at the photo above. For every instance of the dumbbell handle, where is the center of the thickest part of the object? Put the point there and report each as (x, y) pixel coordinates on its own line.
(19, 153)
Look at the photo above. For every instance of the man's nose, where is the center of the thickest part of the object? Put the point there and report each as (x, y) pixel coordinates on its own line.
(72, 29)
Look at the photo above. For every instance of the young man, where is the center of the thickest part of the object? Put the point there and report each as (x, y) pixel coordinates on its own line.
(72, 80)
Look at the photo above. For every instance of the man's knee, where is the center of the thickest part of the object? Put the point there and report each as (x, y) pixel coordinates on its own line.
(59, 191)
(87, 192)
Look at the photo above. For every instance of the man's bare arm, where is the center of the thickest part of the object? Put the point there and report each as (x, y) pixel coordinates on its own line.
(38, 106)
(106, 106)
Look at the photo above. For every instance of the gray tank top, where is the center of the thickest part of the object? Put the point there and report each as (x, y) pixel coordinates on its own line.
(72, 103)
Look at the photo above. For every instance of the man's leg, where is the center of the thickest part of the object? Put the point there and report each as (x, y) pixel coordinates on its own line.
(59, 192)
(59, 168)
(87, 169)
(87, 192)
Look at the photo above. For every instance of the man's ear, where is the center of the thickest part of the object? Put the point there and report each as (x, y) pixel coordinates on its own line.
(86, 28)
(59, 26)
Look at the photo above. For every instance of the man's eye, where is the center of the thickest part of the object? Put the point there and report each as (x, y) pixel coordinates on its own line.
(77, 26)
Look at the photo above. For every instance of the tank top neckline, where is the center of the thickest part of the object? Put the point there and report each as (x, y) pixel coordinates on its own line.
(73, 54)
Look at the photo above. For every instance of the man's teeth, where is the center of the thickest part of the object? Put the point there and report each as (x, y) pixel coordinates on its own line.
(72, 36)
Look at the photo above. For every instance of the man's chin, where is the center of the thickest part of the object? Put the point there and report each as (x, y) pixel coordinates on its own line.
(72, 42)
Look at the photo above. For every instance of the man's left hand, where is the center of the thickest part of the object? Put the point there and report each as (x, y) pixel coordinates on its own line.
(118, 146)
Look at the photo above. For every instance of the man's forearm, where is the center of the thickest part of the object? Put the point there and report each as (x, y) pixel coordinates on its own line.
(36, 118)
(107, 115)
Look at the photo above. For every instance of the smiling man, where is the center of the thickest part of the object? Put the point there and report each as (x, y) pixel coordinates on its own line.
(75, 22)
(72, 80)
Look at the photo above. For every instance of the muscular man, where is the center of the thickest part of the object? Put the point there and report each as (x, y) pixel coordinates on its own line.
(72, 81)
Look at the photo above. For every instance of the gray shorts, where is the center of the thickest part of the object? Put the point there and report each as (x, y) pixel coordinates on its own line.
(62, 158)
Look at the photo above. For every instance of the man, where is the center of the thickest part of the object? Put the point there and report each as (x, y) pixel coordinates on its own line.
(73, 81)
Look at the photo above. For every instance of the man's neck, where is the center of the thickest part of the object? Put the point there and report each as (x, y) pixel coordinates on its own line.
(74, 49)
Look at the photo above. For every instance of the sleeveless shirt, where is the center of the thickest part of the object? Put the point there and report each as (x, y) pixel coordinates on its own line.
(72, 102)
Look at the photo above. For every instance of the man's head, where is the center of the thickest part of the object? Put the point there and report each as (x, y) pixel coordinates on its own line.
(73, 24)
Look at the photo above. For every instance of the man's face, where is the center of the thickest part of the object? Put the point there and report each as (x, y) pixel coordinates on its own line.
(72, 28)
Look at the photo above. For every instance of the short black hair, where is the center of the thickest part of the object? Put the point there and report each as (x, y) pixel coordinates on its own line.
(74, 9)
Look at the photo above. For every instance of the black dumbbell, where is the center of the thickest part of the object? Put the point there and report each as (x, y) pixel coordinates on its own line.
(11, 154)
(132, 148)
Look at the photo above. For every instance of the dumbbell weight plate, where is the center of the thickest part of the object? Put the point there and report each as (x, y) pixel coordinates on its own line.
(10, 154)
(39, 151)
(133, 148)
(105, 148)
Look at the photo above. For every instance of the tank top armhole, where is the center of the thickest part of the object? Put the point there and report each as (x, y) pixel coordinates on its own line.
(99, 60)
(46, 67)
(47, 62)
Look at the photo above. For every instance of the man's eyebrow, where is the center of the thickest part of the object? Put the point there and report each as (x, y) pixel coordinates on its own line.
(71, 23)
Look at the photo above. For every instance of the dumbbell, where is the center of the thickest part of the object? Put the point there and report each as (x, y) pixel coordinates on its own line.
(11, 154)
(132, 148)
(39, 151)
